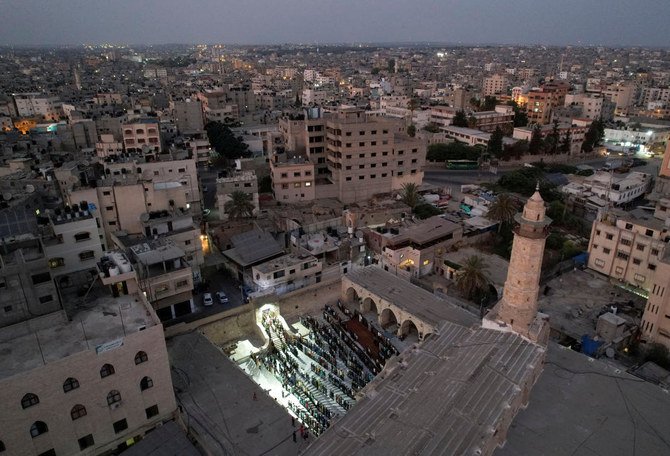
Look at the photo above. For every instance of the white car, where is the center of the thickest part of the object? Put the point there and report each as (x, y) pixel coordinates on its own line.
(207, 299)
(221, 296)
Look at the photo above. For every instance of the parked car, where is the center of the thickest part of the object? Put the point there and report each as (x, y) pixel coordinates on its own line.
(207, 299)
(221, 296)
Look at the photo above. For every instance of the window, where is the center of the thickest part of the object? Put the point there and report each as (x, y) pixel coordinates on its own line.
(609, 236)
(151, 411)
(640, 247)
(113, 397)
(141, 357)
(83, 236)
(348, 178)
(597, 232)
(86, 255)
(106, 193)
(348, 156)
(652, 267)
(70, 384)
(181, 283)
(284, 175)
(78, 411)
(8, 309)
(38, 428)
(41, 278)
(622, 255)
(654, 252)
(308, 184)
(86, 441)
(296, 174)
(629, 226)
(361, 177)
(29, 400)
(636, 261)
(106, 370)
(649, 233)
(57, 262)
(120, 425)
(296, 185)
(181, 170)
(606, 251)
(361, 144)
(361, 155)
(626, 241)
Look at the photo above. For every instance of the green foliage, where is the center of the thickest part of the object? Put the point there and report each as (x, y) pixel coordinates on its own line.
(411, 131)
(569, 249)
(555, 241)
(426, 210)
(557, 211)
(460, 119)
(265, 184)
(566, 144)
(410, 194)
(473, 277)
(224, 142)
(495, 145)
(536, 144)
(239, 206)
(594, 135)
(524, 181)
(516, 150)
(453, 151)
(503, 209)
(488, 104)
(432, 127)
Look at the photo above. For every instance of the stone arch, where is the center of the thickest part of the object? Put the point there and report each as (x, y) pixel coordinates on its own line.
(369, 305)
(387, 318)
(409, 328)
(351, 295)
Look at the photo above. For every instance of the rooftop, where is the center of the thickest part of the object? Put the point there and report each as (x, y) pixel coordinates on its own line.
(283, 262)
(105, 320)
(410, 298)
(447, 396)
(150, 252)
(252, 247)
(425, 231)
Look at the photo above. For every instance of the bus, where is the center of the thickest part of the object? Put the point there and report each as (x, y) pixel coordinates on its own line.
(462, 164)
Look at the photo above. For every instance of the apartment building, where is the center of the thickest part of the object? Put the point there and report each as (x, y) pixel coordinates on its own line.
(107, 146)
(494, 84)
(540, 102)
(90, 381)
(305, 136)
(142, 136)
(293, 179)
(627, 246)
(655, 324)
(243, 181)
(577, 130)
(36, 104)
(590, 105)
(287, 273)
(178, 227)
(315, 97)
(27, 288)
(187, 115)
(501, 117)
(623, 95)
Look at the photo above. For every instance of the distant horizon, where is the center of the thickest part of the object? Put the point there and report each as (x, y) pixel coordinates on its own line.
(263, 22)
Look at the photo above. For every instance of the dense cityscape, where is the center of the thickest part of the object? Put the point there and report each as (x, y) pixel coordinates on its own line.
(334, 249)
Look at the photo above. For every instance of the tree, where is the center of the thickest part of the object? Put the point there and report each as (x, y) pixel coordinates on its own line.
(472, 277)
(460, 119)
(566, 144)
(536, 142)
(495, 145)
(240, 205)
(391, 65)
(503, 210)
(489, 103)
(432, 127)
(410, 194)
(224, 141)
(411, 130)
(520, 116)
(426, 210)
(552, 140)
(594, 135)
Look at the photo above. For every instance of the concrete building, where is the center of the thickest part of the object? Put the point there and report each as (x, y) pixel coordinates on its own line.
(622, 95)
(413, 251)
(38, 105)
(87, 382)
(606, 188)
(540, 102)
(592, 106)
(188, 116)
(577, 130)
(243, 181)
(655, 324)
(142, 136)
(107, 146)
(494, 84)
(293, 179)
(501, 117)
(471, 136)
(628, 247)
(517, 310)
(286, 273)
(315, 97)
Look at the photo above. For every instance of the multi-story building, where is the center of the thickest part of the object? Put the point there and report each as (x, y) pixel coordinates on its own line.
(287, 273)
(627, 247)
(623, 95)
(540, 102)
(292, 179)
(591, 105)
(37, 104)
(107, 146)
(577, 131)
(501, 117)
(245, 182)
(188, 115)
(655, 324)
(142, 136)
(88, 381)
(494, 84)
(306, 137)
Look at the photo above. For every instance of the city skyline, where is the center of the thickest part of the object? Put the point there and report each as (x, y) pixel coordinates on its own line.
(518, 22)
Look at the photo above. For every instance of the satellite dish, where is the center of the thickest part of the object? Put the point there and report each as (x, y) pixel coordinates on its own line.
(7, 196)
(609, 352)
(30, 188)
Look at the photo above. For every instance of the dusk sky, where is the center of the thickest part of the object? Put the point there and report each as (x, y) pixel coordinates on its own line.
(586, 22)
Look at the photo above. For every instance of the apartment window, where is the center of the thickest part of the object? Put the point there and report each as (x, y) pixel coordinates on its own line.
(181, 283)
(361, 133)
(640, 278)
(181, 170)
(41, 278)
(296, 185)
(626, 241)
(308, 173)
(70, 384)
(361, 166)
(384, 165)
(106, 193)
(112, 223)
(348, 156)
(412, 171)
(348, 178)
(373, 143)
(385, 141)
(414, 160)
(361, 177)
(399, 173)
(38, 428)
(640, 247)
(141, 356)
(609, 236)
(284, 175)
(106, 370)
(606, 251)
(654, 252)
(348, 167)
(86, 255)
(649, 233)
(57, 262)
(384, 154)
(597, 232)
(385, 132)
(622, 255)
(361, 144)
(151, 411)
(400, 163)
(109, 208)
(361, 155)
(120, 425)
(652, 267)
(373, 132)
(146, 383)
(296, 174)
(308, 184)
(113, 397)
(629, 226)
(636, 261)
(347, 145)
(373, 176)
(348, 133)
(29, 400)
(8, 309)
(86, 441)
(284, 186)
(384, 174)
(78, 411)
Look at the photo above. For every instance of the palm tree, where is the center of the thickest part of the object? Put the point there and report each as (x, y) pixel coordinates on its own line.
(473, 276)
(503, 210)
(239, 205)
(410, 194)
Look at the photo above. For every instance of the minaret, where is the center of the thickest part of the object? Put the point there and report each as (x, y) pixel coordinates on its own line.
(518, 307)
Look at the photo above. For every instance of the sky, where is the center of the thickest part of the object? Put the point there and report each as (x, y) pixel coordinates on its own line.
(552, 22)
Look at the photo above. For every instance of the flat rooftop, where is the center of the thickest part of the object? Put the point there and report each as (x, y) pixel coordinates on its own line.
(149, 253)
(104, 320)
(445, 396)
(410, 298)
(425, 231)
(283, 262)
(585, 407)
